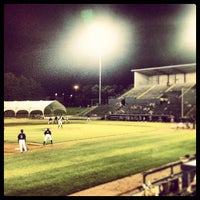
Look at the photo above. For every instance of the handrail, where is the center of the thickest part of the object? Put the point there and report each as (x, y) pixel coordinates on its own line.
(170, 165)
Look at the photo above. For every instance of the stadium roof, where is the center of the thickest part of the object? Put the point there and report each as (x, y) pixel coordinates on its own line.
(30, 106)
(172, 69)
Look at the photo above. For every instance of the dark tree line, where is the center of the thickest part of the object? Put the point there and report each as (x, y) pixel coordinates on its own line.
(23, 88)
(89, 94)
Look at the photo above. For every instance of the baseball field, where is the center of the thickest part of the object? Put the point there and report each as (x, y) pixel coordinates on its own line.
(87, 153)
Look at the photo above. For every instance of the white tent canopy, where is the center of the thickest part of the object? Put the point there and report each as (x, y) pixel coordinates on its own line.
(31, 106)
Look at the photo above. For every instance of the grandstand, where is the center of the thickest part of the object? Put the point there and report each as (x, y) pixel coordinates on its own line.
(159, 94)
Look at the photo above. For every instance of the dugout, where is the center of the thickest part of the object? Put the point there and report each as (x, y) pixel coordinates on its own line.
(33, 109)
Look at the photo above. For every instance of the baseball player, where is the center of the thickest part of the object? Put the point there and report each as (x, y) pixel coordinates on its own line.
(180, 125)
(47, 135)
(60, 122)
(22, 141)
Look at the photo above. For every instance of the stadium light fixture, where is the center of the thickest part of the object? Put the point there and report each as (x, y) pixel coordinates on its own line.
(92, 39)
(56, 94)
(101, 37)
(76, 87)
(187, 33)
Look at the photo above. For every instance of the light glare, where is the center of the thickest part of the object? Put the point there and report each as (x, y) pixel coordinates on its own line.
(188, 32)
(104, 35)
(101, 37)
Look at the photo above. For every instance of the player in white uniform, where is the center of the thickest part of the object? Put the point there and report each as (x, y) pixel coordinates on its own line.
(180, 125)
(47, 135)
(60, 122)
(22, 141)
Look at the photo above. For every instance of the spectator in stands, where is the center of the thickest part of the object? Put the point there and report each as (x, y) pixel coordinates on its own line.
(123, 101)
(110, 113)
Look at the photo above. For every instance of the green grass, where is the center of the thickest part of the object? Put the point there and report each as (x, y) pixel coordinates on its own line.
(105, 151)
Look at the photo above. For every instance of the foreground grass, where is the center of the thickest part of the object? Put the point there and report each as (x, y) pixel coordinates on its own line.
(118, 149)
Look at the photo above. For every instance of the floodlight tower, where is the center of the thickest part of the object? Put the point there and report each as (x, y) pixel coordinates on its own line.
(99, 79)
(99, 37)
(102, 38)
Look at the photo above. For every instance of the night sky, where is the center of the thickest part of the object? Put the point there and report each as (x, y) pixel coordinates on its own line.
(38, 41)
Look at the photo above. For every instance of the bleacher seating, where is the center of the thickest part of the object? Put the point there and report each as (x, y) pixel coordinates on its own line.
(155, 93)
(135, 92)
(154, 100)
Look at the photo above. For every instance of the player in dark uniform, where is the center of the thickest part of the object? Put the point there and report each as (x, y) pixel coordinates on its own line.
(22, 141)
(47, 135)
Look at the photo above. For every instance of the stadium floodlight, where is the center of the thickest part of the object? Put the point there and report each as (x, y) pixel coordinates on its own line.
(101, 37)
(56, 94)
(187, 32)
(76, 87)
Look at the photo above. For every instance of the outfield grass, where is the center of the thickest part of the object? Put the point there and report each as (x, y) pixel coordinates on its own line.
(116, 149)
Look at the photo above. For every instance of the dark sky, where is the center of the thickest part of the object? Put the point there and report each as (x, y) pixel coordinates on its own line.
(37, 38)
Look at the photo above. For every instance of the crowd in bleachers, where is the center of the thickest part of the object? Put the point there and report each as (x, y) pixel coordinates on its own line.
(168, 103)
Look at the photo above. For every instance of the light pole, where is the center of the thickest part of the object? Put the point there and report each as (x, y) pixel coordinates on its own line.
(182, 104)
(99, 79)
(102, 35)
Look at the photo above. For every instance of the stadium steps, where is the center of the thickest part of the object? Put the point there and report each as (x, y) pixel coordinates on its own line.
(186, 90)
(156, 92)
(134, 92)
(167, 90)
(145, 92)
(191, 111)
(126, 93)
(102, 110)
(87, 111)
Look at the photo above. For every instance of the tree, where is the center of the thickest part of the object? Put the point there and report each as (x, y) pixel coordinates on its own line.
(107, 91)
(11, 87)
(22, 88)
